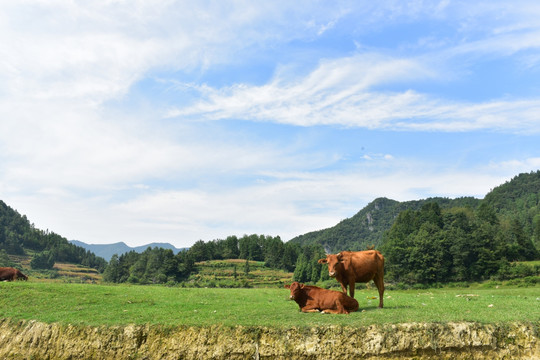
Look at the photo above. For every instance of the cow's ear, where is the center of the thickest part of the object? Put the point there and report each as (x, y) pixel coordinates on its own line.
(302, 286)
(322, 261)
(287, 286)
(340, 257)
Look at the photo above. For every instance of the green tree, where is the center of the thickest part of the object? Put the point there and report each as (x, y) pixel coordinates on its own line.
(230, 250)
(112, 271)
(301, 270)
(185, 265)
(536, 232)
(524, 247)
(200, 251)
(273, 252)
(43, 260)
(290, 256)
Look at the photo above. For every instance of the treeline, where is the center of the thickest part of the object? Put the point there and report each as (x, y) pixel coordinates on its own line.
(426, 246)
(17, 236)
(459, 244)
(307, 268)
(271, 250)
(159, 266)
(153, 266)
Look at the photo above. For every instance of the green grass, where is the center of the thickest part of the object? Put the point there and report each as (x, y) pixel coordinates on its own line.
(122, 304)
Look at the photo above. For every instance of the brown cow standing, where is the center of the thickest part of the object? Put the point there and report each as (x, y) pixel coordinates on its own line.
(314, 299)
(10, 274)
(350, 267)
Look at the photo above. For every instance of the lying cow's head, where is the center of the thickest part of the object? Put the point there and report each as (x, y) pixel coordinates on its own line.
(335, 263)
(296, 289)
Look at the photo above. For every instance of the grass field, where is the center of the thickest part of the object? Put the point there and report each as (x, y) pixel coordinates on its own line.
(174, 306)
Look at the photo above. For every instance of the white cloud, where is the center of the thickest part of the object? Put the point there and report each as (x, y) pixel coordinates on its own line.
(515, 166)
(337, 92)
(78, 162)
(340, 92)
(289, 207)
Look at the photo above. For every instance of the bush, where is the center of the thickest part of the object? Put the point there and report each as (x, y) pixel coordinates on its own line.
(5, 260)
(516, 271)
(42, 260)
(461, 284)
(491, 284)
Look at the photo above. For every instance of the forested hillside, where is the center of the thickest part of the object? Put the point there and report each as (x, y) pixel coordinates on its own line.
(19, 237)
(443, 240)
(519, 199)
(459, 244)
(367, 227)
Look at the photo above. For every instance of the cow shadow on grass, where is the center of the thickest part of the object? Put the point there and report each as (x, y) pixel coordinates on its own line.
(386, 307)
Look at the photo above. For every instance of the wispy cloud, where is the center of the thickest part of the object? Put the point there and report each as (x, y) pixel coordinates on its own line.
(336, 92)
(344, 92)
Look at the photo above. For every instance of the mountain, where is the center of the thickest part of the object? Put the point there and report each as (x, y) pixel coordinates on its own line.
(367, 227)
(106, 251)
(517, 200)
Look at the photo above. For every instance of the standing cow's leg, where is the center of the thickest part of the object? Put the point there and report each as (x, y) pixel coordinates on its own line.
(344, 287)
(379, 282)
(351, 288)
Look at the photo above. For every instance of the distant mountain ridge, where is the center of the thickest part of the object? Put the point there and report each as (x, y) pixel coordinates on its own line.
(106, 251)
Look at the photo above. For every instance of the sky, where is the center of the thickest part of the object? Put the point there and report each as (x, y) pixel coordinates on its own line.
(178, 121)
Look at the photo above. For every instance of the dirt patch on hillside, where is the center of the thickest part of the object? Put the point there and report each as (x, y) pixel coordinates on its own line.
(36, 340)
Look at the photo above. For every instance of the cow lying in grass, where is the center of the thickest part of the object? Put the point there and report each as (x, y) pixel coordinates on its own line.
(11, 274)
(314, 299)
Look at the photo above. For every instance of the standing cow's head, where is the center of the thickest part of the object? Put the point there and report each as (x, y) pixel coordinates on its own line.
(335, 264)
(296, 289)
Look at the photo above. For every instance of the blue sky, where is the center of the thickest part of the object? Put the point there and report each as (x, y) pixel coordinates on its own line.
(174, 121)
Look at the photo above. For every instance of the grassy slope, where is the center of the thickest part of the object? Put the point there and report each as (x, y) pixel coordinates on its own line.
(121, 304)
(61, 271)
(216, 272)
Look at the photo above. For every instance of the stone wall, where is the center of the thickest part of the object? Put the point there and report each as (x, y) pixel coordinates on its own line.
(36, 340)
